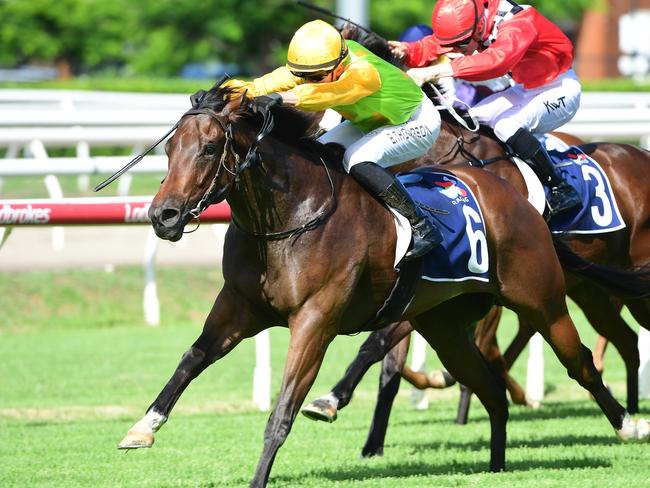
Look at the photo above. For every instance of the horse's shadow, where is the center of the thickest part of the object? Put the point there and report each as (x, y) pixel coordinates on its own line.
(369, 470)
(361, 472)
(517, 413)
(555, 411)
(484, 444)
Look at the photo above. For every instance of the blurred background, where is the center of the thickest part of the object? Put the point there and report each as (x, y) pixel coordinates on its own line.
(124, 41)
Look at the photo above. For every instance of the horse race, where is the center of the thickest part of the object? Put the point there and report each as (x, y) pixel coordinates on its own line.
(229, 230)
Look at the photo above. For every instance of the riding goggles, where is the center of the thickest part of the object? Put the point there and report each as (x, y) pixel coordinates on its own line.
(460, 44)
(312, 76)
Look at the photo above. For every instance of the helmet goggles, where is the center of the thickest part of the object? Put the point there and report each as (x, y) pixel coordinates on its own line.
(312, 76)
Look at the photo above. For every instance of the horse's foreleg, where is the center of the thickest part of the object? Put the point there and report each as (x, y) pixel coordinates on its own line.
(375, 347)
(438, 379)
(464, 401)
(389, 380)
(599, 353)
(485, 337)
(486, 340)
(229, 321)
(309, 340)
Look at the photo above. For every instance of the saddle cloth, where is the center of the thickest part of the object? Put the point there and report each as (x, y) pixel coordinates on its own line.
(450, 204)
(599, 212)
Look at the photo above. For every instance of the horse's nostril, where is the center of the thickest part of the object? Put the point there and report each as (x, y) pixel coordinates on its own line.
(169, 216)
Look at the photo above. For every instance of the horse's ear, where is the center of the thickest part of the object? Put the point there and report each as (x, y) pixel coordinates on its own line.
(220, 81)
(243, 97)
(197, 98)
(234, 104)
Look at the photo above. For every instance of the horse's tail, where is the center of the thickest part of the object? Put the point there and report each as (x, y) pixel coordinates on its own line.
(631, 283)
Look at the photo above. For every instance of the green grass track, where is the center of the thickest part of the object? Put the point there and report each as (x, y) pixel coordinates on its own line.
(78, 367)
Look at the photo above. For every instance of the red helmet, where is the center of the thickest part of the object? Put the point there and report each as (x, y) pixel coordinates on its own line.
(456, 20)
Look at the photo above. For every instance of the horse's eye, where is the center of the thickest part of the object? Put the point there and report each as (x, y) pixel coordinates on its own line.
(210, 150)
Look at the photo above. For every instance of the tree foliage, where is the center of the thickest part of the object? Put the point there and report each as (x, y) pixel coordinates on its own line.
(158, 37)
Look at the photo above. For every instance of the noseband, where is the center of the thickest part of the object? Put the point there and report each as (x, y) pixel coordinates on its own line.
(253, 158)
(214, 193)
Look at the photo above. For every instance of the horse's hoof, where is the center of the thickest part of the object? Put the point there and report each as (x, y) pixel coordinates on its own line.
(534, 404)
(441, 379)
(136, 440)
(372, 453)
(322, 409)
(634, 430)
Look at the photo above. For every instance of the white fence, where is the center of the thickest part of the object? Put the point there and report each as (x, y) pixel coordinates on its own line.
(34, 121)
(613, 116)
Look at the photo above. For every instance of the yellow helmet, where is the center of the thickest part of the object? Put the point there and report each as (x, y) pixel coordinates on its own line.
(316, 46)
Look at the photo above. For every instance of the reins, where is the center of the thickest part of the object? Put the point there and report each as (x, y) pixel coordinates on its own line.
(460, 142)
(296, 231)
(135, 160)
(253, 158)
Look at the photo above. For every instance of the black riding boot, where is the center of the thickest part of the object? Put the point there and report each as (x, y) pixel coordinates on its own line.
(388, 189)
(563, 196)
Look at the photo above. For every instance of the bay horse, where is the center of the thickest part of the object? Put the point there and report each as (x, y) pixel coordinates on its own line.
(309, 249)
(628, 169)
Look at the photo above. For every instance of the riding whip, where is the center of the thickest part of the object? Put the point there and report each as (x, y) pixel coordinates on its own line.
(141, 156)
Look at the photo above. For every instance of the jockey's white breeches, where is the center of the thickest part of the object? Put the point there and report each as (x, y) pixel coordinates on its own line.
(388, 145)
(538, 110)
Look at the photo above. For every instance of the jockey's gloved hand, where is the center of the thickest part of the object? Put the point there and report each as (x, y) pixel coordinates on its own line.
(264, 102)
(197, 98)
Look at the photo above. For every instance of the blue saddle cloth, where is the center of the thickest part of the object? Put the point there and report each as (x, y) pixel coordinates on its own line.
(450, 204)
(598, 212)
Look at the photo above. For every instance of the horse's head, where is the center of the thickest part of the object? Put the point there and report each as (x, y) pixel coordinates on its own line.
(214, 143)
(203, 162)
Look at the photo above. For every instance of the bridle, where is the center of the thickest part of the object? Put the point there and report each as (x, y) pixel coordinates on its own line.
(252, 159)
(215, 194)
(235, 168)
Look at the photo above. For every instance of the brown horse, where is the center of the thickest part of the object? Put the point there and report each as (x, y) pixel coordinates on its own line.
(310, 250)
(628, 169)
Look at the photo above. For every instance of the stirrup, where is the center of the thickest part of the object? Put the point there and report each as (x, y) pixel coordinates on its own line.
(426, 237)
(563, 197)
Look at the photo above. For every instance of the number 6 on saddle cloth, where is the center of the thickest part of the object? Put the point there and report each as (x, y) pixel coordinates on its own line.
(450, 203)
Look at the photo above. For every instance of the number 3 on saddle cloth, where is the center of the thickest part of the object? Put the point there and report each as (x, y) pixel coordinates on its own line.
(599, 212)
(451, 205)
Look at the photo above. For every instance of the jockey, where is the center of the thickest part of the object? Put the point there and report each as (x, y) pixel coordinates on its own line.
(389, 120)
(499, 37)
(462, 93)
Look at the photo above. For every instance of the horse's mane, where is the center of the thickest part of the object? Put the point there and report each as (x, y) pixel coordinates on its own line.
(291, 125)
(372, 42)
